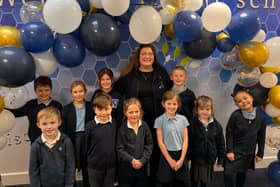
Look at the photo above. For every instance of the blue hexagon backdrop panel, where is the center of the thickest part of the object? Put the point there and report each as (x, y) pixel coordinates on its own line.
(204, 76)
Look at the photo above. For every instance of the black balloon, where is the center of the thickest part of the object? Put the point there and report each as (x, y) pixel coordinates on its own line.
(17, 67)
(100, 34)
(202, 47)
(259, 93)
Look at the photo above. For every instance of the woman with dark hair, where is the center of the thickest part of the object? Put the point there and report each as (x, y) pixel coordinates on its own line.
(147, 80)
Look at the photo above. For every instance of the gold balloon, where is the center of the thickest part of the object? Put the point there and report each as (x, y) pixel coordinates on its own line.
(2, 104)
(274, 96)
(253, 54)
(270, 69)
(276, 120)
(222, 35)
(173, 6)
(169, 31)
(9, 36)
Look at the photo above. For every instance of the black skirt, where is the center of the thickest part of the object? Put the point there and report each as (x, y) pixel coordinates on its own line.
(166, 174)
(201, 173)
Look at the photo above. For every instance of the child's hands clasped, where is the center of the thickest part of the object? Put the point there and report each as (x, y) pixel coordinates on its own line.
(178, 164)
(230, 156)
(136, 164)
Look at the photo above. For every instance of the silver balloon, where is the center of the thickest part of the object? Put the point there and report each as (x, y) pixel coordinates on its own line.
(14, 97)
(247, 76)
(31, 11)
(230, 60)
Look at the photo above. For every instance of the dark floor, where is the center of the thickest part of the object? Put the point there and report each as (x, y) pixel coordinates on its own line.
(257, 178)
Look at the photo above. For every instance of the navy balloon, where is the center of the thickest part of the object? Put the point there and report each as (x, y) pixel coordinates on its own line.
(225, 45)
(243, 26)
(85, 5)
(100, 34)
(187, 26)
(68, 50)
(274, 172)
(17, 66)
(202, 47)
(36, 37)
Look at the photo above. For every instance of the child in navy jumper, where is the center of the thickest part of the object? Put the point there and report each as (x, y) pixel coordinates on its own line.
(100, 137)
(206, 142)
(106, 85)
(134, 146)
(245, 129)
(179, 76)
(75, 115)
(52, 159)
(43, 91)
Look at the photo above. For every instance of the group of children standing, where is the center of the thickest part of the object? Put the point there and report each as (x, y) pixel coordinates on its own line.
(109, 141)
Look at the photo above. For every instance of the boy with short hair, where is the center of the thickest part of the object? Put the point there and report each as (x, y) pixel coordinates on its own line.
(179, 76)
(52, 160)
(43, 91)
(101, 143)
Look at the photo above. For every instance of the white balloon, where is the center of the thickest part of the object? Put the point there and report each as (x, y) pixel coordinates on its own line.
(166, 16)
(7, 121)
(3, 142)
(268, 79)
(272, 111)
(260, 36)
(62, 16)
(193, 5)
(145, 25)
(115, 8)
(14, 97)
(96, 3)
(273, 45)
(45, 63)
(216, 16)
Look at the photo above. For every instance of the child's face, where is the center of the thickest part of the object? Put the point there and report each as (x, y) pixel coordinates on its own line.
(178, 77)
(204, 112)
(43, 93)
(106, 82)
(133, 113)
(170, 106)
(78, 93)
(49, 126)
(103, 114)
(244, 101)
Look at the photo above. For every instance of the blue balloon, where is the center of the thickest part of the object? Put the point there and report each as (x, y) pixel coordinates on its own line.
(244, 26)
(187, 26)
(85, 5)
(68, 50)
(100, 34)
(36, 37)
(225, 45)
(17, 66)
(274, 172)
(201, 48)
